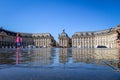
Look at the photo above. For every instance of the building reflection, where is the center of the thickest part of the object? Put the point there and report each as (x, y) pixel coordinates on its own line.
(111, 56)
(83, 55)
(106, 54)
(55, 56)
(118, 58)
(6, 56)
(97, 56)
(42, 56)
(63, 55)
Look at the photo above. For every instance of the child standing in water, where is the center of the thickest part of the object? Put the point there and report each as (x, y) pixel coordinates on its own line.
(19, 40)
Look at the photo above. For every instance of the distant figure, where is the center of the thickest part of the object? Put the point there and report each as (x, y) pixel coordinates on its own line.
(118, 35)
(18, 40)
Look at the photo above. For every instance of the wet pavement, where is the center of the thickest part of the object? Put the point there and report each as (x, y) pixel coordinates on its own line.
(60, 64)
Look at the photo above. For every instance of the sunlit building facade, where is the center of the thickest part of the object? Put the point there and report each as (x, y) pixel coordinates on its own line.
(44, 40)
(97, 39)
(94, 39)
(27, 39)
(8, 39)
(64, 40)
(83, 40)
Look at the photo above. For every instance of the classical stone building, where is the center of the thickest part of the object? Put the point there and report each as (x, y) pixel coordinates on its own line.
(83, 40)
(27, 39)
(8, 38)
(97, 39)
(64, 40)
(44, 40)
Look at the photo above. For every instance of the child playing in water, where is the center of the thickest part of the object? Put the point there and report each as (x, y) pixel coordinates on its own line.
(19, 40)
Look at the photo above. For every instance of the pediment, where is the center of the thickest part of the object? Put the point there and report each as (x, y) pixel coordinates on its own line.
(3, 33)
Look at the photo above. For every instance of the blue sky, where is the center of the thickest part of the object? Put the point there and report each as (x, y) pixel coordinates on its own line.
(41, 16)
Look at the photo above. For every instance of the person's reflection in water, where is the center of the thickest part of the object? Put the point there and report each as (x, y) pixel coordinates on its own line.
(18, 55)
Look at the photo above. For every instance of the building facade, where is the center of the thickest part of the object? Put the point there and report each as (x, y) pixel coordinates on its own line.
(83, 40)
(64, 40)
(8, 39)
(27, 39)
(43, 40)
(97, 39)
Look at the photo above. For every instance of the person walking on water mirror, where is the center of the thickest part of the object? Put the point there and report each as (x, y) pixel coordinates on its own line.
(19, 40)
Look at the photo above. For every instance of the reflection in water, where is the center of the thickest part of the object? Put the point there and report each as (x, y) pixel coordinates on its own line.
(41, 56)
(110, 56)
(83, 55)
(5, 56)
(97, 56)
(56, 56)
(18, 52)
(119, 58)
(63, 55)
